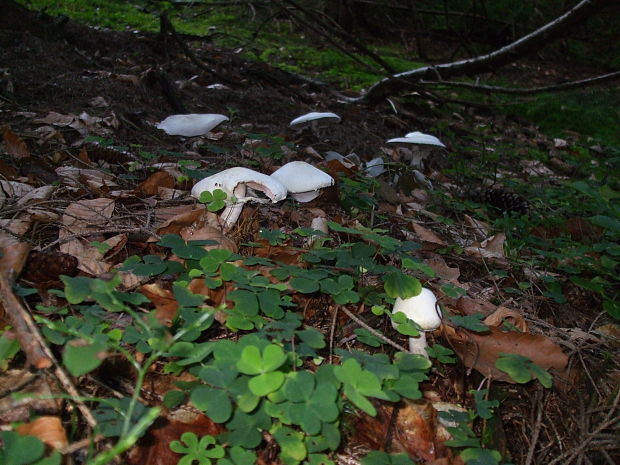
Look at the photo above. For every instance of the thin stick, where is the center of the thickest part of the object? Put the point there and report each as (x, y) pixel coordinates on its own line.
(22, 324)
(332, 331)
(374, 331)
(536, 432)
(33, 344)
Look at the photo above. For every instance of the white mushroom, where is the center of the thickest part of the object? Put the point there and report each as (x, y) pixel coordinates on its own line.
(424, 311)
(236, 182)
(312, 118)
(421, 145)
(302, 180)
(191, 125)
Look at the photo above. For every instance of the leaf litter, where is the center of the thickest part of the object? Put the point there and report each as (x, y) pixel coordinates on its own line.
(105, 185)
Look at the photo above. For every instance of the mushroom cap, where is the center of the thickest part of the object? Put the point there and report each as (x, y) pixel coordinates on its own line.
(417, 138)
(229, 179)
(422, 309)
(302, 180)
(190, 125)
(302, 120)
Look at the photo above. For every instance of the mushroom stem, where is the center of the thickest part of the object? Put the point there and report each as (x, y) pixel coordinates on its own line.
(231, 213)
(418, 345)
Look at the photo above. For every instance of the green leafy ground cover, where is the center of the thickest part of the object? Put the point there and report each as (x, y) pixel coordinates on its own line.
(273, 376)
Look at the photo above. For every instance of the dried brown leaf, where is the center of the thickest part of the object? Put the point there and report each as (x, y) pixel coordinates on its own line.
(154, 447)
(38, 396)
(479, 229)
(48, 429)
(480, 351)
(415, 432)
(429, 238)
(86, 216)
(14, 251)
(469, 306)
(166, 305)
(502, 314)
(490, 249)
(439, 265)
(14, 145)
(156, 180)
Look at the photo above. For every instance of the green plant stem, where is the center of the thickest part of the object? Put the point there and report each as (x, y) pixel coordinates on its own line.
(127, 439)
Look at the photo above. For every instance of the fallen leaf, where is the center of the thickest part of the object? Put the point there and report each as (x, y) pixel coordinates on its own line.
(14, 145)
(481, 350)
(37, 396)
(490, 249)
(154, 447)
(48, 429)
(14, 251)
(36, 195)
(56, 119)
(414, 432)
(502, 314)
(177, 218)
(156, 180)
(200, 231)
(85, 218)
(439, 265)
(14, 189)
(611, 332)
(429, 238)
(79, 177)
(166, 305)
(470, 306)
(478, 228)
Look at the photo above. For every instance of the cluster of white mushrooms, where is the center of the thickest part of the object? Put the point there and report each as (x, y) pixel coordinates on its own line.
(299, 179)
(303, 182)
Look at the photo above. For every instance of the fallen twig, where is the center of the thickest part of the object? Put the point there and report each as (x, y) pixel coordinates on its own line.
(374, 331)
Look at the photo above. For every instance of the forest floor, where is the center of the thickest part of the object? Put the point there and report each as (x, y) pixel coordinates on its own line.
(79, 117)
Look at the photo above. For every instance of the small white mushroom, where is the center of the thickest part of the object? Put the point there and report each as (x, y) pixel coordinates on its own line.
(191, 125)
(302, 180)
(421, 145)
(424, 311)
(313, 118)
(240, 185)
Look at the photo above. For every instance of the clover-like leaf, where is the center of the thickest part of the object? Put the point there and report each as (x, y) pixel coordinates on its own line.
(484, 407)
(20, 450)
(214, 402)
(399, 284)
(197, 450)
(81, 357)
(359, 383)
(479, 456)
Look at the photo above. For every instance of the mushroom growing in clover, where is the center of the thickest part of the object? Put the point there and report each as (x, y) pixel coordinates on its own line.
(421, 146)
(302, 180)
(240, 185)
(191, 125)
(314, 120)
(423, 310)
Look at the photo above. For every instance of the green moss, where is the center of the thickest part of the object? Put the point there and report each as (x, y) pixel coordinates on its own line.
(593, 112)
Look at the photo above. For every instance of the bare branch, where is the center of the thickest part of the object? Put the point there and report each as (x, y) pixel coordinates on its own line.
(527, 90)
(491, 61)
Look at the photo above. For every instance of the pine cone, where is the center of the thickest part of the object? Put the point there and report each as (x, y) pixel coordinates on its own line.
(504, 201)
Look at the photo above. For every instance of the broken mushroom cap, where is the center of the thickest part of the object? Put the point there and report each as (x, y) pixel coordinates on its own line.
(235, 182)
(302, 180)
(308, 118)
(191, 125)
(424, 311)
(417, 138)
